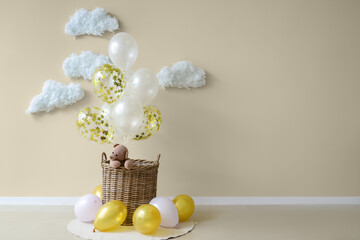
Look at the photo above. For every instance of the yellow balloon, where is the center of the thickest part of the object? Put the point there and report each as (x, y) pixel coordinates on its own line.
(185, 206)
(151, 123)
(110, 216)
(146, 219)
(94, 125)
(108, 83)
(98, 191)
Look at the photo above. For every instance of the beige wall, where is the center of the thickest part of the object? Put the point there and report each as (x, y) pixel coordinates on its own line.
(280, 115)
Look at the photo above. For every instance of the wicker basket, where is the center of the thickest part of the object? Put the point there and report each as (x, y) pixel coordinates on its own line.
(133, 187)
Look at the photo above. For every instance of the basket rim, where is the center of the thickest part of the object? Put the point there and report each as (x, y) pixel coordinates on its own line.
(105, 163)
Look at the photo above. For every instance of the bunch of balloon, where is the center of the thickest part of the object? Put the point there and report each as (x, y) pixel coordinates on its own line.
(162, 212)
(107, 217)
(126, 114)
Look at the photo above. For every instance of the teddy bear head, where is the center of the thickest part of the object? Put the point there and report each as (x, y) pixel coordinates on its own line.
(119, 153)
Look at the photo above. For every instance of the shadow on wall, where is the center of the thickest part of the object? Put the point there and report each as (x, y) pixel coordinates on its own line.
(106, 36)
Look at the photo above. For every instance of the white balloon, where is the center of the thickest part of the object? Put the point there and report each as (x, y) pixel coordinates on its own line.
(107, 108)
(127, 115)
(144, 85)
(87, 207)
(123, 50)
(128, 74)
(168, 211)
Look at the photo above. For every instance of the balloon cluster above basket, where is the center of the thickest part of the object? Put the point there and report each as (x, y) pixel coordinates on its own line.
(126, 114)
(147, 218)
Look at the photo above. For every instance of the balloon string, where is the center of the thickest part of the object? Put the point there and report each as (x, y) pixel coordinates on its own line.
(124, 139)
(128, 139)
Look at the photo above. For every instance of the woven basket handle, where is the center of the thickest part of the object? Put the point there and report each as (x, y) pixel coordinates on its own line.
(158, 158)
(103, 158)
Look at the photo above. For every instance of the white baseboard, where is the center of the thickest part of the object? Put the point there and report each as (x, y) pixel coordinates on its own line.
(275, 200)
(68, 201)
(41, 201)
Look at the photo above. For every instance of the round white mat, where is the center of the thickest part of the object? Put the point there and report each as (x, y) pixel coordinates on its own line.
(85, 231)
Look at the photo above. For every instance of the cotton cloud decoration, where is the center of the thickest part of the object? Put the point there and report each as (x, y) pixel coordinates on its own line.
(182, 74)
(55, 95)
(83, 65)
(94, 22)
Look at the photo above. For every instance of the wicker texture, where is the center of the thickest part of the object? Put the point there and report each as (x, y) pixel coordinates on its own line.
(133, 187)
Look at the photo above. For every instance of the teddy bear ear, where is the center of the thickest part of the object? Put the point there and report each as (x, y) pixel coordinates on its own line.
(116, 145)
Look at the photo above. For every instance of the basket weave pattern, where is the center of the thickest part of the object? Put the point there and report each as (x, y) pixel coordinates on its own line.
(133, 187)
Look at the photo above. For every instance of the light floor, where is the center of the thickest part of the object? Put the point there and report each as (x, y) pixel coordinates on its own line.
(214, 222)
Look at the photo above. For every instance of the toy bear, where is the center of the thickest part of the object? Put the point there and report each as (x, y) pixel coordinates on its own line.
(119, 157)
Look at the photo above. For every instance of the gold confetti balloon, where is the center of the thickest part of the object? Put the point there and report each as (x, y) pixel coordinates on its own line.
(94, 125)
(151, 123)
(108, 83)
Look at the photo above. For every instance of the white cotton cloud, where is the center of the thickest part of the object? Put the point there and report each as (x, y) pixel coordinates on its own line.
(94, 22)
(55, 95)
(182, 74)
(83, 65)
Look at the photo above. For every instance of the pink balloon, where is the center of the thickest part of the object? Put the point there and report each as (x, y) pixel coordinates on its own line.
(87, 207)
(168, 211)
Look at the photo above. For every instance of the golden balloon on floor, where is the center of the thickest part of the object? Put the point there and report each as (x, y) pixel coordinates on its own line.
(110, 216)
(98, 191)
(108, 83)
(146, 219)
(151, 123)
(93, 124)
(185, 206)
